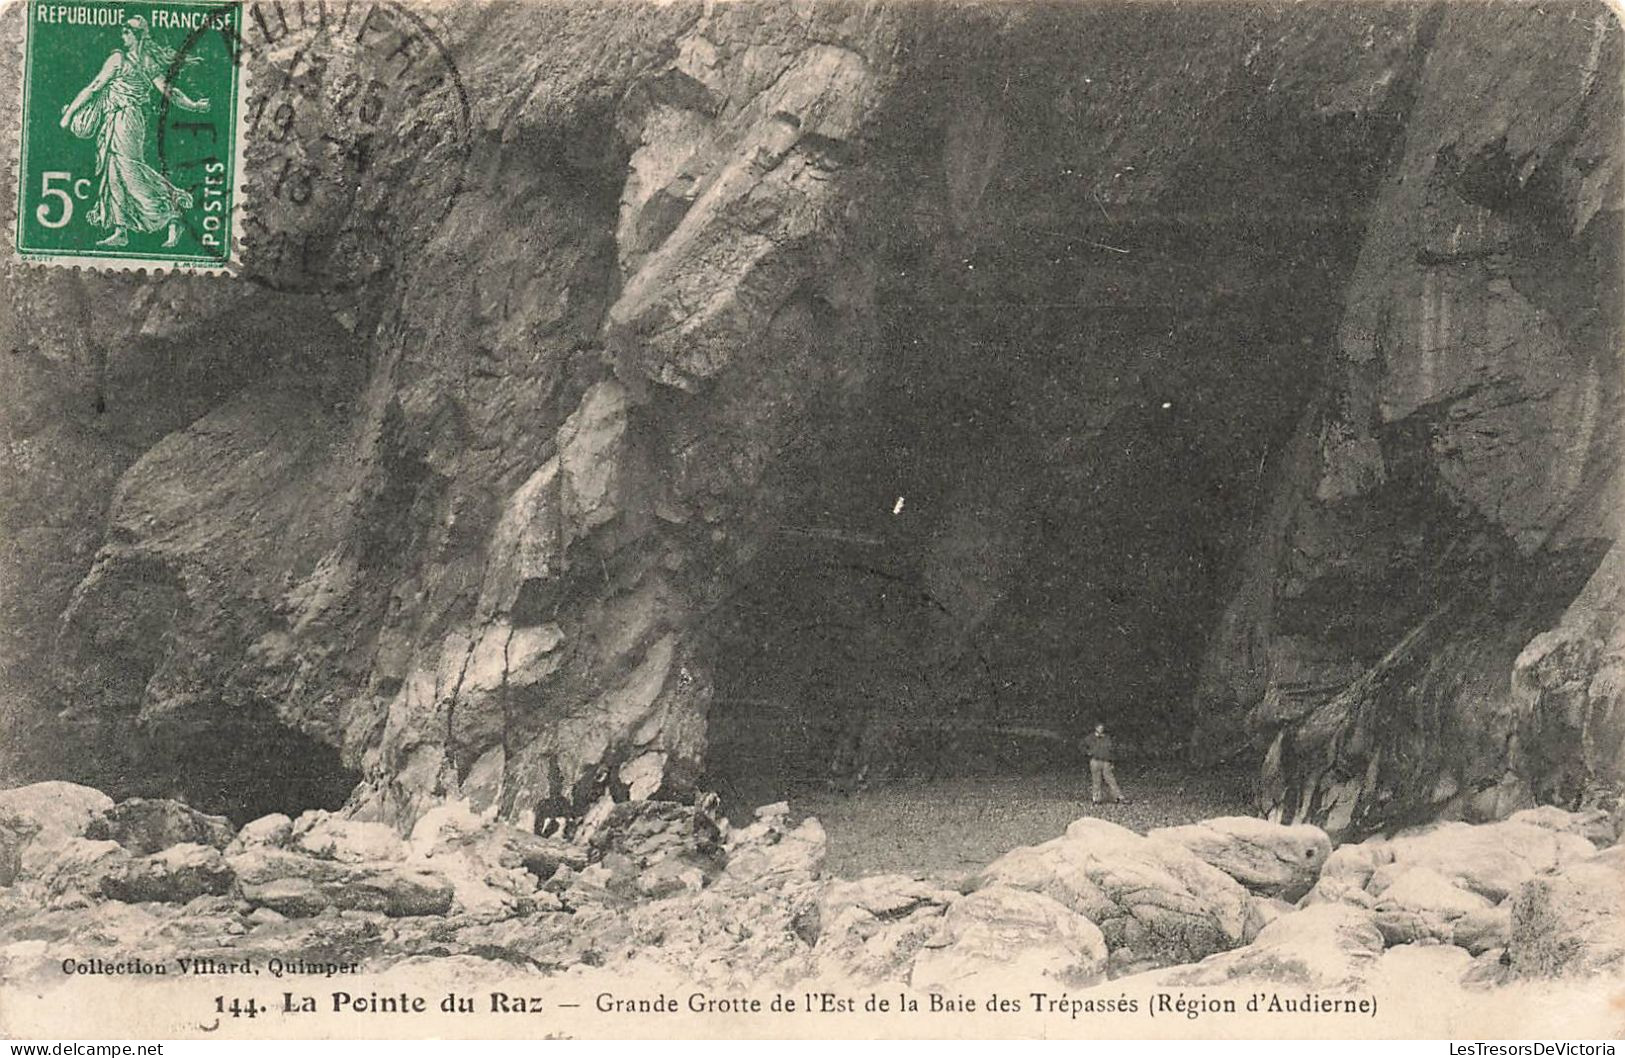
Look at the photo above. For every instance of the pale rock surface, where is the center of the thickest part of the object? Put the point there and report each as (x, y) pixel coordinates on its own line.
(275, 830)
(327, 836)
(1423, 879)
(1571, 920)
(295, 884)
(1593, 824)
(870, 929)
(772, 853)
(1328, 946)
(37, 820)
(999, 934)
(1154, 899)
(1268, 858)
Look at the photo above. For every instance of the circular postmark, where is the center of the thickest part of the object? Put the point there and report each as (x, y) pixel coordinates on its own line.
(354, 129)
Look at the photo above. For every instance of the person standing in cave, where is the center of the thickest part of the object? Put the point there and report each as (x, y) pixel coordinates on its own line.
(1101, 756)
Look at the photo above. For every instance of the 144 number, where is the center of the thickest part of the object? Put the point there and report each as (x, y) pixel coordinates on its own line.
(236, 1007)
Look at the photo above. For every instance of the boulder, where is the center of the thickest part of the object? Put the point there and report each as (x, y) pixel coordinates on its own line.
(275, 830)
(1571, 920)
(1270, 859)
(500, 846)
(1420, 904)
(669, 877)
(767, 854)
(1491, 859)
(1261, 911)
(494, 867)
(43, 815)
(1000, 934)
(871, 929)
(330, 837)
(295, 884)
(1596, 825)
(264, 915)
(1154, 900)
(287, 898)
(1327, 946)
(176, 875)
(612, 880)
(54, 807)
(1488, 860)
(81, 866)
(1347, 870)
(148, 825)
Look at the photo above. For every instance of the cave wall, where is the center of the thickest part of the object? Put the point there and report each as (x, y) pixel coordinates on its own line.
(1461, 481)
(481, 515)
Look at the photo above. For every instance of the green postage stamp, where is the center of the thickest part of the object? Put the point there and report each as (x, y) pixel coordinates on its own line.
(130, 140)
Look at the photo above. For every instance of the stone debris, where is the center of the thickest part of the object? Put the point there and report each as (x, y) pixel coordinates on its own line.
(650, 832)
(330, 837)
(668, 884)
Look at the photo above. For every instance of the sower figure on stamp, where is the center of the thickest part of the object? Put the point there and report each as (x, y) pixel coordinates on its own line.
(130, 194)
(1101, 755)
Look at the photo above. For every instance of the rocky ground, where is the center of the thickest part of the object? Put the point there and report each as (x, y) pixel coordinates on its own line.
(667, 889)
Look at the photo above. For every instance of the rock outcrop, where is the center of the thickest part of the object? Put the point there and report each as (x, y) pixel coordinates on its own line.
(1269, 859)
(1570, 920)
(1439, 618)
(999, 933)
(1154, 900)
(300, 886)
(38, 821)
(1089, 907)
(1328, 946)
(146, 826)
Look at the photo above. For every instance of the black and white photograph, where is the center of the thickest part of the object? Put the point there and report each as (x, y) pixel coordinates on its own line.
(833, 519)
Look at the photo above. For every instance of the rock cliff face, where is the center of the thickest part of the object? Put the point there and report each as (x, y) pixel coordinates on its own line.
(1463, 478)
(707, 389)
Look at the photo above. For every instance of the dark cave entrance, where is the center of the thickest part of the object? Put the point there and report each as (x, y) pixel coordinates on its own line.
(242, 763)
(252, 766)
(1031, 517)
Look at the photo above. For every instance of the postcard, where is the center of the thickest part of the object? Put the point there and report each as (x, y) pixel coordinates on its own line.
(812, 519)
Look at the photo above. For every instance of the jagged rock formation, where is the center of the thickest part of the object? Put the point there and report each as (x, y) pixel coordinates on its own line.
(750, 908)
(1465, 479)
(751, 388)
